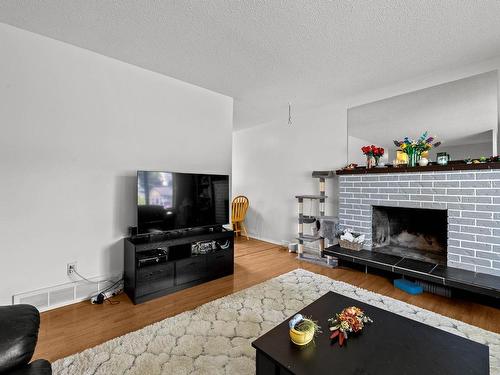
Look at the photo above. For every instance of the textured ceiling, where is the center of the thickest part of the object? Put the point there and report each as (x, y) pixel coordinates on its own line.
(266, 53)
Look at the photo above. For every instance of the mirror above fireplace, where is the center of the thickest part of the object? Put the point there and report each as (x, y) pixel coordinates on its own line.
(463, 114)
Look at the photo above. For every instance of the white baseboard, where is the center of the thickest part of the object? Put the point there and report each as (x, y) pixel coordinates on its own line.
(256, 237)
(280, 243)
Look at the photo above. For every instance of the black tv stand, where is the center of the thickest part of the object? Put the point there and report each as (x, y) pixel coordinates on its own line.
(163, 236)
(178, 268)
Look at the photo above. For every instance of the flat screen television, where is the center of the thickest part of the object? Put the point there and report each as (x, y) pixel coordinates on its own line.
(169, 201)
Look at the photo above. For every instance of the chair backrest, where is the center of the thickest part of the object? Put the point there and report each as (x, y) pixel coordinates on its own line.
(239, 208)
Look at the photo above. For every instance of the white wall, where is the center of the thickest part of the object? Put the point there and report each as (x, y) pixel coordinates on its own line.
(272, 162)
(75, 127)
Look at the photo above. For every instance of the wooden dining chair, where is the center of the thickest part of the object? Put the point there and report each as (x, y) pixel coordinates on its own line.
(239, 209)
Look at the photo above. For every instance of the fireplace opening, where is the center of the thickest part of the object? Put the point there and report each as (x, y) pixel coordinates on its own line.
(415, 233)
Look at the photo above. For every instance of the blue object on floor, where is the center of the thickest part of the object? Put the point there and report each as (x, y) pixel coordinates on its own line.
(408, 286)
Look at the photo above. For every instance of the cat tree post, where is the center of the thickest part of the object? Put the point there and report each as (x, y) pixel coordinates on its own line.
(311, 219)
(300, 225)
(321, 241)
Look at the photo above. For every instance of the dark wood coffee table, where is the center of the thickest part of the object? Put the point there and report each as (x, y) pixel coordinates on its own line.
(392, 344)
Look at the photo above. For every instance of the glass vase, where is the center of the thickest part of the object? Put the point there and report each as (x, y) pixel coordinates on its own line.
(413, 158)
(370, 162)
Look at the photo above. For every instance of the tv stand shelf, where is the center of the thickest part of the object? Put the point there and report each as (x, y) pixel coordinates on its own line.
(182, 269)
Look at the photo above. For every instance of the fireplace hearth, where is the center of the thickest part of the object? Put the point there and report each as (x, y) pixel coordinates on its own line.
(413, 233)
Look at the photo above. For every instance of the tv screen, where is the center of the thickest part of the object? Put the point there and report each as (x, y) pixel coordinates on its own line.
(170, 201)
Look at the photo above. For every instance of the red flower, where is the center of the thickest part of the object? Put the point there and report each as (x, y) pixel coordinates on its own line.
(372, 150)
(365, 149)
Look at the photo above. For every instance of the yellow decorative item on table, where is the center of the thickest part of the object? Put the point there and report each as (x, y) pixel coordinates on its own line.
(301, 338)
(302, 330)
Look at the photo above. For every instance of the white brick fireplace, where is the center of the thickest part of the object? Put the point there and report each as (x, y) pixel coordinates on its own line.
(471, 198)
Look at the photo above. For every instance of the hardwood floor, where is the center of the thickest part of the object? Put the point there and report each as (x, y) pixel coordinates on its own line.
(73, 328)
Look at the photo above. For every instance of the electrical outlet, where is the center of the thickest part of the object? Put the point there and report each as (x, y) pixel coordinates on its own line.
(70, 268)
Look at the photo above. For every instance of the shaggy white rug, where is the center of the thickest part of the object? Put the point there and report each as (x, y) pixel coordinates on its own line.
(215, 338)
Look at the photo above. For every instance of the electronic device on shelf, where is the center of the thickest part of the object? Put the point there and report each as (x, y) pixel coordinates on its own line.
(203, 247)
(151, 257)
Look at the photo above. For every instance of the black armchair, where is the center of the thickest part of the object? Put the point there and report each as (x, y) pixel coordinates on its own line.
(18, 336)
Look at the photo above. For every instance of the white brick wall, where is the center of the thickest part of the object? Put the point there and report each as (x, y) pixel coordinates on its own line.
(471, 198)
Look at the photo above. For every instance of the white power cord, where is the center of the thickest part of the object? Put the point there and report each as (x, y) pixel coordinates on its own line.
(87, 280)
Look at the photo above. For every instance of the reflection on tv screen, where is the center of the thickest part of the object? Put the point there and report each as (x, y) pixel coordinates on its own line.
(169, 201)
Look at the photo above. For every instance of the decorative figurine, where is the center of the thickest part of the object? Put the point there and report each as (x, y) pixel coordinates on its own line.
(350, 320)
(302, 330)
(423, 162)
(442, 158)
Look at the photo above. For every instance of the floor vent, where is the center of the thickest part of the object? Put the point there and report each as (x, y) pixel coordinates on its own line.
(440, 290)
(62, 295)
(39, 300)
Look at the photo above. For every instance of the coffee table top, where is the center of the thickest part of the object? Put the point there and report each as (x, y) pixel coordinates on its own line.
(392, 344)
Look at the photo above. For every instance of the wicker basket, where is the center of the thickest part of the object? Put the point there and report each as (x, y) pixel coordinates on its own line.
(350, 245)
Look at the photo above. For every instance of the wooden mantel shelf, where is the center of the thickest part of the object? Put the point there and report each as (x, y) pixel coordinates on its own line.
(452, 166)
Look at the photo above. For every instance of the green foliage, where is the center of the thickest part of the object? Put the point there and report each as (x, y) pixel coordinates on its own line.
(308, 324)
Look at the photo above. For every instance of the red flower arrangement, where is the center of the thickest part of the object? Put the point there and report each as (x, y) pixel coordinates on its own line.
(351, 319)
(374, 151)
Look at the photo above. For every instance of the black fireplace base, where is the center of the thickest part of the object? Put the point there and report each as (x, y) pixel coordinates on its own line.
(479, 283)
